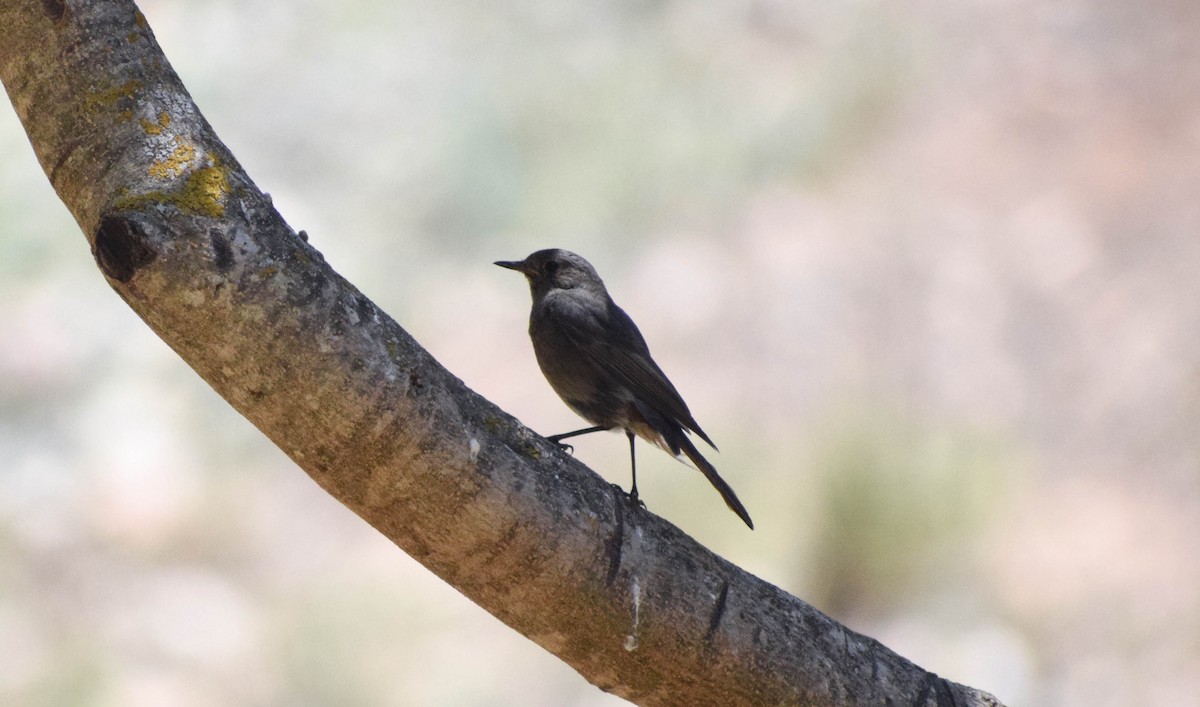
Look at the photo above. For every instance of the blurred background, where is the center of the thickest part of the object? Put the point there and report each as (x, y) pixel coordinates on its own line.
(927, 272)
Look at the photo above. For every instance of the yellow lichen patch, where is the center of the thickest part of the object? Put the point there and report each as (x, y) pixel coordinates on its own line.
(205, 191)
(175, 164)
(140, 19)
(156, 128)
(202, 193)
(98, 99)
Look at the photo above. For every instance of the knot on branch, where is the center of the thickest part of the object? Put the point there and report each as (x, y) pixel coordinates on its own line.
(55, 9)
(120, 248)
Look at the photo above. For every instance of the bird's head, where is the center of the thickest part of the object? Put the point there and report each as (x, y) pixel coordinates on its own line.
(555, 269)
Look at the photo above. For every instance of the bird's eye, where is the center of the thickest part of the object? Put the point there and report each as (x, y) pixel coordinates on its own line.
(550, 267)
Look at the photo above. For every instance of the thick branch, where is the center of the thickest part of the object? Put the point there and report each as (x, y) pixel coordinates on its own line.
(188, 241)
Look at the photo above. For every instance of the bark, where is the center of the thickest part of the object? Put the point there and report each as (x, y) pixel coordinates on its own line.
(531, 535)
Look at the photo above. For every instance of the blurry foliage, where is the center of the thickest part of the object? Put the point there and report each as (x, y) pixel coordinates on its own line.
(903, 504)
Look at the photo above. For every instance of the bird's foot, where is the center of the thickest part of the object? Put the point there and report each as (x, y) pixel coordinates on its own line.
(556, 440)
(633, 497)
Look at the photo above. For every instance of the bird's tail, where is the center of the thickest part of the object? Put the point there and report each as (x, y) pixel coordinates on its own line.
(710, 472)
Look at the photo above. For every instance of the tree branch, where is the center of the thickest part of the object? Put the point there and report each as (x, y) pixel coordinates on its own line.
(531, 535)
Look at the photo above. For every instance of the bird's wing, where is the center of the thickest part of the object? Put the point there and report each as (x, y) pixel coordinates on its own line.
(617, 347)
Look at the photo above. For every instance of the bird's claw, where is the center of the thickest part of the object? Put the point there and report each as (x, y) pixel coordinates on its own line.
(569, 449)
(632, 496)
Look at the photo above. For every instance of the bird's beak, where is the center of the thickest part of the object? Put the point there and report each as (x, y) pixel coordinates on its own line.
(519, 265)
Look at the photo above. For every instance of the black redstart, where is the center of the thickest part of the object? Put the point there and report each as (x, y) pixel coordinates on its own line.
(595, 358)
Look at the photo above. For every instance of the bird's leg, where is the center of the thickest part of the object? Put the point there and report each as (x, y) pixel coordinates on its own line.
(557, 439)
(633, 494)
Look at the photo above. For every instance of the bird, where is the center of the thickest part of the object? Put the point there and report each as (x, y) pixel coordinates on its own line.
(597, 361)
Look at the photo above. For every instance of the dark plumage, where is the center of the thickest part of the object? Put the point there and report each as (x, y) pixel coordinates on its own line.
(595, 358)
